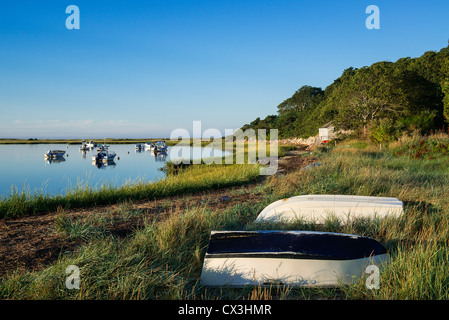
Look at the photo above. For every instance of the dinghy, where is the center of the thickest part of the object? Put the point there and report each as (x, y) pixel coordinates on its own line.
(317, 208)
(160, 146)
(104, 156)
(294, 258)
(53, 154)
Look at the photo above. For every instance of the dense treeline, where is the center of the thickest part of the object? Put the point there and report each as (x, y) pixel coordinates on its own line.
(382, 100)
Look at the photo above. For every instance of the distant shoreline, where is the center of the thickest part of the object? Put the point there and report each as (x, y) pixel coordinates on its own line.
(79, 141)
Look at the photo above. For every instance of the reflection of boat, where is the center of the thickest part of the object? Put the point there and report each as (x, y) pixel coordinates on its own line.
(316, 208)
(51, 154)
(104, 156)
(55, 160)
(294, 258)
(160, 156)
(103, 164)
(160, 146)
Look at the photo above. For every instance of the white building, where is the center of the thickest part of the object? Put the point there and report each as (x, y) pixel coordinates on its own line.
(326, 133)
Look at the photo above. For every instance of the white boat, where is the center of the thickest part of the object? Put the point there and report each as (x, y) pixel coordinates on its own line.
(52, 154)
(91, 144)
(102, 147)
(318, 208)
(293, 258)
(149, 146)
(160, 146)
(84, 146)
(104, 156)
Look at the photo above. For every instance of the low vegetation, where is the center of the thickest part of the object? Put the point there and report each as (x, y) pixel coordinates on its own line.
(162, 259)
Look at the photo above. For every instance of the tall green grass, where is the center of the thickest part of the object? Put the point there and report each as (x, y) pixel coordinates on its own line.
(163, 259)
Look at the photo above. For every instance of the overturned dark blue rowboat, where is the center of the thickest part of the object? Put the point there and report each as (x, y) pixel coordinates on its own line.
(295, 258)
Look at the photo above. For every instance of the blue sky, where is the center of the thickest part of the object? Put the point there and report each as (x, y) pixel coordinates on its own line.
(144, 68)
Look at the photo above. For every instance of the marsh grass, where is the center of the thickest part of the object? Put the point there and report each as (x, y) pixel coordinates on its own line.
(163, 260)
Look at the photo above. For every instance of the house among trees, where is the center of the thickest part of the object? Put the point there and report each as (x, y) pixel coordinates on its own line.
(326, 133)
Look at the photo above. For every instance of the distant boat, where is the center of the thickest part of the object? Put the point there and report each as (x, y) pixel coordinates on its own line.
(52, 154)
(140, 146)
(84, 146)
(91, 144)
(103, 156)
(102, 147)
(160, 146)
(317, 208)
(149, 145)
(293, 258)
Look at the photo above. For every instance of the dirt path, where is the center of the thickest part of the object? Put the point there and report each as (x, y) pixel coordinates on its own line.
(31, 243)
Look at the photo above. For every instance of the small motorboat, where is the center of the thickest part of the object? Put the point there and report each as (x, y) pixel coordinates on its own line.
(52, 154)
(104, 156)
(102, 147)
(84, 146)
(160, 146)
(91, 144)
(294, 258)
(318, 208)
(149, 146)
(140, 146)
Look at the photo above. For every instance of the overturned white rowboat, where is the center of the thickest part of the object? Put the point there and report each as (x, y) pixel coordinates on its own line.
(318, 208)
(294, 258)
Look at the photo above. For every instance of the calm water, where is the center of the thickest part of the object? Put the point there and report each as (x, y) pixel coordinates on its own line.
(24, 166)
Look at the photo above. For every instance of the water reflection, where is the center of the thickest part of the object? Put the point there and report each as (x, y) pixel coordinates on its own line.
(160, 156)
(24, 166)
(54, 160)
(104, 164)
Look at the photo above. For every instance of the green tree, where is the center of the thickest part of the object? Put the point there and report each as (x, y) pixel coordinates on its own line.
(301, 99)
(445, 89)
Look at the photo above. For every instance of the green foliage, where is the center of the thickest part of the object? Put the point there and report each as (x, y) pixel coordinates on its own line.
(413, 93)
(424, 148)
(382, 132)
(303, 98)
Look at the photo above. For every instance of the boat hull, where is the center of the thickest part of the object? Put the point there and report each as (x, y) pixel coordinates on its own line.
(54, 154)
(241, 272)
(319, 208)
(294, 258)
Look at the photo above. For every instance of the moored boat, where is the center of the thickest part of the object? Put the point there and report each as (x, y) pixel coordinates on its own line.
(160, 146)
(91, 144)
(294, 258)
(318, 208)
(104, 155)
(102, 147)
(84, 146)
(51, 154)
(149, 146)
